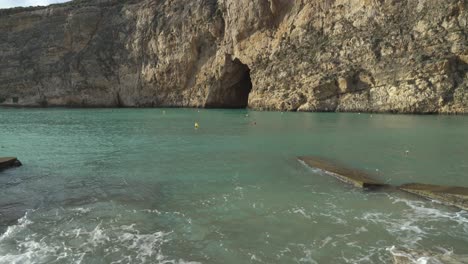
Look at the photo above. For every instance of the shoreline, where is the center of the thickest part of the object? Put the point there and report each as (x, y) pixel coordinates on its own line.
(247, 109)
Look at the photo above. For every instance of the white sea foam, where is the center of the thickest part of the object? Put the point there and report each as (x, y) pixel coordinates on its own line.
(366, 254)
(152, 211)
(360, 230)
(336, 219)
(415, 258)
(81, 210)
(424, 212)
(253, 257)
(97, 236)
(32, 252)
(19, 244)
(405, 229)
(326, 241)
(308, 258)
(240, 190)
(315, 170)
(301, 211)
(417, 222)
(23, 222)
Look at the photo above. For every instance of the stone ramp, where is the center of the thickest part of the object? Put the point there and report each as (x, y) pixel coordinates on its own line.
(9, 162)
(352, 176)
(451, 195)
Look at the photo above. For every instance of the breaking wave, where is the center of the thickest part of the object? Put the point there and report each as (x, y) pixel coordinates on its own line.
(72, 242)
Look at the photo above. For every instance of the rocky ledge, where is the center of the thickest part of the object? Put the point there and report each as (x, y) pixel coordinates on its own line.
(308, 55)
(9, 162)
(449, 195)
(348, 175)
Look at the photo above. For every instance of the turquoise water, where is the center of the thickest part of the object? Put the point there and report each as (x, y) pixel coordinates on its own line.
(143, 186)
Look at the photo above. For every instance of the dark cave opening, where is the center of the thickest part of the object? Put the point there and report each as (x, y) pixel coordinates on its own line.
(234, 87)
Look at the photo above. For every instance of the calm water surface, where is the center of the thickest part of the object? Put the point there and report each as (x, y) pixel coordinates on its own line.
(143, 186)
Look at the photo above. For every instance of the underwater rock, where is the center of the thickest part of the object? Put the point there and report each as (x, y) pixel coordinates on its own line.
(451, 195)
(354, 177)
(9, 162)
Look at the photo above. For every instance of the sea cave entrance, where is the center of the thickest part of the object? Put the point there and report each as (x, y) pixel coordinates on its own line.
(234, 87)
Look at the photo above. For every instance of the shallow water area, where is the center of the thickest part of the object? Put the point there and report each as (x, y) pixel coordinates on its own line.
(145, 186)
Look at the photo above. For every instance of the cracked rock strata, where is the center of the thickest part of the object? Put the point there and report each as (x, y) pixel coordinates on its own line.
(304, 55)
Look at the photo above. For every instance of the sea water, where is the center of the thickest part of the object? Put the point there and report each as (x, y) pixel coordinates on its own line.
(145, 186)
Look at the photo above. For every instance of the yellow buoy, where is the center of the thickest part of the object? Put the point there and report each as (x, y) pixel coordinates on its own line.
(196, 125)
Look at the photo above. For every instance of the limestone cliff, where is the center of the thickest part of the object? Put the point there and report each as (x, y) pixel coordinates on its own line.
(305, 55)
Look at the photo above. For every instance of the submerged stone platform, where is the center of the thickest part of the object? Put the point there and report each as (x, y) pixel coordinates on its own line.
(355, 177)
(9, 162)
(451, 195)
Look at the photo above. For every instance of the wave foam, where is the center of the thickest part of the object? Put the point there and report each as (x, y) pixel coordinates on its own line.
(23, 222)
(74, 242)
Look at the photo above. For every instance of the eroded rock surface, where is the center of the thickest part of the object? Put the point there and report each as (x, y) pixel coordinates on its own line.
(305, 55)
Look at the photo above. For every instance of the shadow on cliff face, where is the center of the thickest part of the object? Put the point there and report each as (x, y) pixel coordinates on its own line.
(233, 88)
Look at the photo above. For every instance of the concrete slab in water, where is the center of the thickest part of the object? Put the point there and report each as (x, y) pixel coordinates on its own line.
(355, 177)
(9, 162)
(456, 196)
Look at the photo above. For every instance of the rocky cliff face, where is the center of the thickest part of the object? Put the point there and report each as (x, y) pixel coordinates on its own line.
(305, 55)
